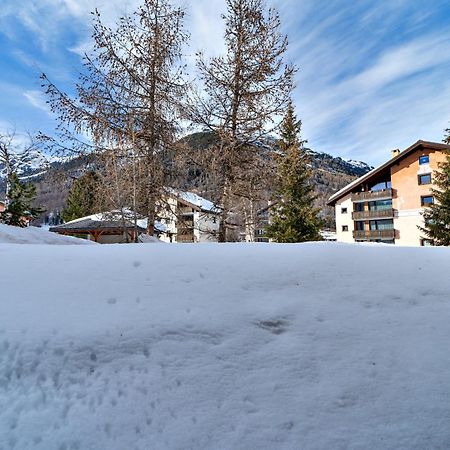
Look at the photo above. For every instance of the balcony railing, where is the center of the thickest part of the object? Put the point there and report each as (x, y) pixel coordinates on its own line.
(371, 195)
(374, 234)
(185, 237)
(374, 214)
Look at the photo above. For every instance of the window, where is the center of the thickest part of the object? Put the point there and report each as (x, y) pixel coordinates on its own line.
(214, 219)
(386, 224)
(426, 200)
(380, 205)
(426, 242)
(425, 179)
(359, 226)
(343, 210)
(425, 159)
(344, 227)
(359, 207)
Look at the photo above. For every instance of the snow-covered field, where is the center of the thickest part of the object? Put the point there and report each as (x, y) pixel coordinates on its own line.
(35, 235)
(313, 346)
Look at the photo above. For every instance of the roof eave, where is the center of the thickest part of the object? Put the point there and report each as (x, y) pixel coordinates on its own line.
(420, 143)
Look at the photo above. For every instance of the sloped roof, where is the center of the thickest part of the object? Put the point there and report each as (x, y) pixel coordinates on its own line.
(111, 220)
(88, 224)
(195, 200)
(369, 175)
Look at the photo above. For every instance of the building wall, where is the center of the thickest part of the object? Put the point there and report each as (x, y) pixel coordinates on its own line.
(408, 192)
(344, 219)
(206, 227)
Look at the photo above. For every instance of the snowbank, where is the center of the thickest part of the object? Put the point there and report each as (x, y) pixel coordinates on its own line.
(314, 346)
(35, 235)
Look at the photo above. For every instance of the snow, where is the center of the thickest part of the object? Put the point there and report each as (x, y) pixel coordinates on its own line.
(194, 199)
(35, 235)
(118, 215)
(311, 346)
(358, 164)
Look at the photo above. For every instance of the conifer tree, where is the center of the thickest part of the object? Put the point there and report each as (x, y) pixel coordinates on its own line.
(295, 219)
(437, 215)
(82, 197)
(19, 209)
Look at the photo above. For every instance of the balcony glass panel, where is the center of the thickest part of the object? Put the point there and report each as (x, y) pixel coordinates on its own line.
(386, 224)
(380, 205)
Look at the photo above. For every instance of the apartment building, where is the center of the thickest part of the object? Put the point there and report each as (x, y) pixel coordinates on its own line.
(386, 204)
(187, 217)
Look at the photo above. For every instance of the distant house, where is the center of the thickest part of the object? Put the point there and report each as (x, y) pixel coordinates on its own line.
(386, 204)
(2, 207)
(254, 230)
(187, 217)
(105, 228)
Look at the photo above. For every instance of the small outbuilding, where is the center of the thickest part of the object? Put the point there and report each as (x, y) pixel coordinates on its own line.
(105, 228)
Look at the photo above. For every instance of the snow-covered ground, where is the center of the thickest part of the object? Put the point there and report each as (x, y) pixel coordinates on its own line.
(313, 346)
(35, 235)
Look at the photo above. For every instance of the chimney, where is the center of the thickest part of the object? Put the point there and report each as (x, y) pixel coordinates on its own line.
(395, 153)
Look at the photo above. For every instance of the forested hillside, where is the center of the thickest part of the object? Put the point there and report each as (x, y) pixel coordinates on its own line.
(329, 174)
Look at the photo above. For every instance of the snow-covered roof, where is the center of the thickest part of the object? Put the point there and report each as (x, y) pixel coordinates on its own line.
(195, 199)
(110, 219)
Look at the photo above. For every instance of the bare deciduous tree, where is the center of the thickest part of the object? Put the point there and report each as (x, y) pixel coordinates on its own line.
(128, 98)
(245, 91)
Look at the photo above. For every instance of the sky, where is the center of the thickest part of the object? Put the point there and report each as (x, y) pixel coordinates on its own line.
(373, 75)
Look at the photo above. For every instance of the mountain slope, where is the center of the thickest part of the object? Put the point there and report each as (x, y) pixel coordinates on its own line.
(329, 174)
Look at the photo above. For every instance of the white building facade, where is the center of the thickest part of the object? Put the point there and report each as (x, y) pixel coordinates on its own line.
(186, 217)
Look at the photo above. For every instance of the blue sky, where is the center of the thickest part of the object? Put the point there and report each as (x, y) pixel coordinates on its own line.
(373, 75)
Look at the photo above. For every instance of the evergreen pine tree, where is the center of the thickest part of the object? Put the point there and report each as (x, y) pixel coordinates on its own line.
(295, 219)
(437, 215)
(19, 209)
(81, 200)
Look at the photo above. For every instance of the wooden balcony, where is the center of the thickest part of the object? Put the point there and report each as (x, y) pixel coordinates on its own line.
(185, 235)
(371, 195)
(366, 235)
(374, 214)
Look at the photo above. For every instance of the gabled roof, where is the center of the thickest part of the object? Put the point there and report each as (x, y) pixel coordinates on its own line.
(111, 220)
(369, 175)
(194, 200)
(89, 224)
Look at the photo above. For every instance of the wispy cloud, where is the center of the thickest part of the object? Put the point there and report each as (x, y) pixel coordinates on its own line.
(37, 99)
(373, 75)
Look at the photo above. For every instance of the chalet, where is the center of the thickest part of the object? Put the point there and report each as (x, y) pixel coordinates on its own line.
(187, 217)
(386, 204)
